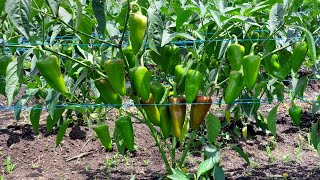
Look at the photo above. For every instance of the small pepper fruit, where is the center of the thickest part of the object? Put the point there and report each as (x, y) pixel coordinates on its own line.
(165, 121)
(251, 68)
(115, 69)
(151, 110)
(299, 52)
(235, 53)
(177, 109)
(141, 81)
(295, 113)
(107, 93)
(193, 84)
(103, 134)
(199, 110)
(157, 89)
(234, 87)
(137, 27)
(124, 125)
(49, 68)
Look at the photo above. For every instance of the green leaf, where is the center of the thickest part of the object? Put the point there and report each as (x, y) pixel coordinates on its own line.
(62, 131)
(218, 173)
(52, 121)
(184, 132)
(98, 7)
(301, 86)
(316, 106)
(18, 12)
(311, 44)
(85, 26)
(182, 15)
(35, 117)
(276, 16)
(2, 4)
(213, 126)
(22, 101)
(314, 134)
(155, 29)
(213, 153)
(54, 6)
(14, 76)
(178, 175)
(241, 153)
(205, 166)
(271, 120)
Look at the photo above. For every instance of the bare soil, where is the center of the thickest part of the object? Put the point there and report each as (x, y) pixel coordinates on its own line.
(80, 155)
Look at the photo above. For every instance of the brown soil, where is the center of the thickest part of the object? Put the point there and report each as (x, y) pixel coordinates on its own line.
(80, 155)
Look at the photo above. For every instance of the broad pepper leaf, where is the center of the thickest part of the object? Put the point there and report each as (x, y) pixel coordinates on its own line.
(241, 153)
(314, 134)
(98, 7)
(271, 120)
(19, 12)
(178, 175)
(218, 173)
(301, 86)
(205, 166)
(316, 106)
(35, 117)
(213, 126)
(62, 131)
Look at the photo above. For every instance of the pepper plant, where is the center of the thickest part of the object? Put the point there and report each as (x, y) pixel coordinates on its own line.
(81, 58)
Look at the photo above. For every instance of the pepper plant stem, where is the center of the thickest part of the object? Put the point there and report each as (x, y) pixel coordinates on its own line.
(186, 150)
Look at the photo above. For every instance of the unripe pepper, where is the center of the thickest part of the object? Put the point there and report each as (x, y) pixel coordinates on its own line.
(141, 81)
(137, 27)
(131, 58)
(116, 75)
(49, 68)
(103, 134)
(178, 76)
(234, 87)
(235, 53)
(295, 113)
(178, 112)
(274, 67)
(199, 110)
(157, 90)
(151, 110)
(165, 121)
(124, 125)
(298, 55)
(251, 67)
(194, 80)
(107, 93)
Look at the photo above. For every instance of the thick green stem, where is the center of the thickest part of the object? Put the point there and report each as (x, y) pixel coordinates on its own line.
(174, 143)
(186, 150)
(235, 39)
(125, 25)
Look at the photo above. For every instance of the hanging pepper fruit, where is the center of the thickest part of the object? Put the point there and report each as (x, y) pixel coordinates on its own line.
(178, 112)
(234, 87)
(107, 93)
(275, 68)
(178, 76)
(131, 58)
(151, 110)
(298, 55)
(235, 53)
(124, 125)
(194, 80)
(244, 132)
(169, 56)
(199, 110)
(116, 75)
(103, 134)
(157, 90)
(285, 61)
(165, 121)
(141, 81)
(295, 113)
(251, 67)
(49, 68)
(137, 27)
